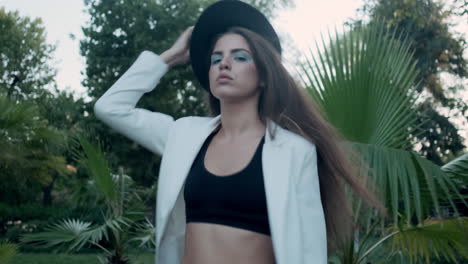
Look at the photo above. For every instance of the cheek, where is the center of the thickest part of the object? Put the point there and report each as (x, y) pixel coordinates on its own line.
(251, 75)
(211, 75)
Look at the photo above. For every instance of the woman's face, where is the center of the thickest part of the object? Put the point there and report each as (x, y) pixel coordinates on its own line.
(233, 73)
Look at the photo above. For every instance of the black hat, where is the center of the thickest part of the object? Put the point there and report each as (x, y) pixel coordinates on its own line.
(216, 19)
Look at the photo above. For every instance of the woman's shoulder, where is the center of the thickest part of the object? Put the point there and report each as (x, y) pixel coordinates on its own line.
(191, 122)
(296, 141)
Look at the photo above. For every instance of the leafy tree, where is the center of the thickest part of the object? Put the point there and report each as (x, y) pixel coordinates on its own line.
(364, 82)
(62, 110)
(461, 7)
(33, 138)
(437, 50)
(24, 53)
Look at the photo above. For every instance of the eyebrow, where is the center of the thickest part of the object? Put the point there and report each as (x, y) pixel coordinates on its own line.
(232, 51)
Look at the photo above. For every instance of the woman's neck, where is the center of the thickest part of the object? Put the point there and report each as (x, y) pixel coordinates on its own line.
(240, 120)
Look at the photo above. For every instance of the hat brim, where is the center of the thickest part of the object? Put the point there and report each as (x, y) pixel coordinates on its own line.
(216, 19)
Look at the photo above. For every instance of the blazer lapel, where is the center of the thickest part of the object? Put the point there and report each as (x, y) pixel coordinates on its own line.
(171, 183)
(276, 171)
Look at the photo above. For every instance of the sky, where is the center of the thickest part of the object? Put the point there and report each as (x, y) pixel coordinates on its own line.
(302, 24)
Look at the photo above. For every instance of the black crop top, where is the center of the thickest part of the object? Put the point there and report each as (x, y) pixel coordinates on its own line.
(237, 200)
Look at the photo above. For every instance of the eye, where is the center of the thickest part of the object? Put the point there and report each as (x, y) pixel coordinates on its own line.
(242, 57)
(215, 59)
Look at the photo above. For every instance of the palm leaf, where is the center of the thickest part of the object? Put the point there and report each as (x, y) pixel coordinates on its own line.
(439, 238)
(16, 123)
(72, 235)
(14, 116)
(113, 224)
(364, 82)
(457, 170)
(414, 187)
(67, 236)
(7, 252)
(458, 166)
(27, 143)
(145, 234)
(433, 238)
(93, 159)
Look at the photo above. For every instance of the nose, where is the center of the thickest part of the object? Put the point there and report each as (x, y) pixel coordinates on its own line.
(224, 63)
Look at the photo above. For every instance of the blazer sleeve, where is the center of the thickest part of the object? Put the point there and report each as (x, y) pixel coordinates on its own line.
(311, 214)
(116, 107)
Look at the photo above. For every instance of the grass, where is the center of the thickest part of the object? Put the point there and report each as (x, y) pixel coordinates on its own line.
(44, 258)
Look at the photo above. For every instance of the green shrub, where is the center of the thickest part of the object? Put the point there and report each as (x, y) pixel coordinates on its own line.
(16, 221)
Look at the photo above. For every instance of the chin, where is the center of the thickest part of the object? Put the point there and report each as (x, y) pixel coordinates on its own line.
(228, 94)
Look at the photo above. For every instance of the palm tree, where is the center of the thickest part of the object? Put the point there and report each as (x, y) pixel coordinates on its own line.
(123, 222)
(364, 82)
(28, 146)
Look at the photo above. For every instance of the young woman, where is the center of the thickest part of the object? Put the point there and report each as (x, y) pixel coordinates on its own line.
(262, 181)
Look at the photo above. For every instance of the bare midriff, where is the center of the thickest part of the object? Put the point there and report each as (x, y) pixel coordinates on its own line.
(207, 243)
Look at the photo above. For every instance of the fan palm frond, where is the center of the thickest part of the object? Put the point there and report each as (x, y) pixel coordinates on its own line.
(112, 225)
(458, 167)
(439, 238)
(410, 185)
(365, 83)
(14, 116)
(71, 235)
(93, 159)
(145, 234)
(64, 236)
(7, 252)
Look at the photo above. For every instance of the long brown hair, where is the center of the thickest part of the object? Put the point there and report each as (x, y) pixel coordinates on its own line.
(285, 102)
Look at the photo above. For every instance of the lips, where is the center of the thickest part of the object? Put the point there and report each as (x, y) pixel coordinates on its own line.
(224, 77)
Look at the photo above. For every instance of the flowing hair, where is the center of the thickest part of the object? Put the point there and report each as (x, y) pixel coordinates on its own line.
(285, 102)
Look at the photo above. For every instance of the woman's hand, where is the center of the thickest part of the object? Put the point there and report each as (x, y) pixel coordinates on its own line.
(179, 53)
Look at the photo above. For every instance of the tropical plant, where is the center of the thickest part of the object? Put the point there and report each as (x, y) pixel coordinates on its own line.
(28, 156)
(438, 49)
(7, 252)
(123, 222)
(365, 83)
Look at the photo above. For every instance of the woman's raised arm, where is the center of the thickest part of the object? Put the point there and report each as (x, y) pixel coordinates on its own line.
(116, 107)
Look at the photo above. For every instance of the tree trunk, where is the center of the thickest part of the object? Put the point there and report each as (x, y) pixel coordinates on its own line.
(12, 86)
(47, 191)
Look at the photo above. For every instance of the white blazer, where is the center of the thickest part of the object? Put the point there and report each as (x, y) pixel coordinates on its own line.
(289, 163)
